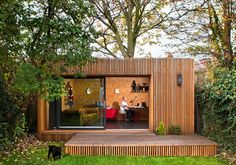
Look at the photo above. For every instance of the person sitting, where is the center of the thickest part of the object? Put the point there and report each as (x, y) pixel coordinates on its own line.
(123, 106)
(132, 103)
(124, 109)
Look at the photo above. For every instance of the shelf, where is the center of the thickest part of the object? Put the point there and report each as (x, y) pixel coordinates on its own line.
(140, 92)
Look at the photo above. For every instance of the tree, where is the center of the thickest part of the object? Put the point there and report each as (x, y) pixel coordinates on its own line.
(125, 24)
(209, 30)
(222, 16)
(39, 39)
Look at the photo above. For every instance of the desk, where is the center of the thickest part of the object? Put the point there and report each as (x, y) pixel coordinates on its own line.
(143, 112)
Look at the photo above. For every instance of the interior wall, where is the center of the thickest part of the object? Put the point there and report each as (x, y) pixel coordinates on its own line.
(123, 84)
(80, 97)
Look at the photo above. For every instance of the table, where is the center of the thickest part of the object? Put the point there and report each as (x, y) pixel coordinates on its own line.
(142, 113)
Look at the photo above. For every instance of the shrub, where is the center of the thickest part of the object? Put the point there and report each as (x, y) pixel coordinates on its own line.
(174, 130)
(161, 129)
(12, 122)
(216, 98)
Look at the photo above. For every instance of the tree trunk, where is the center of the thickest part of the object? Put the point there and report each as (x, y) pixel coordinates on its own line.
(129, 23)
(227, 26)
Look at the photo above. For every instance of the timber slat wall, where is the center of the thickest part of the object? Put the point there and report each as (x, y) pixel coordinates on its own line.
(172, 104)
(169, 103)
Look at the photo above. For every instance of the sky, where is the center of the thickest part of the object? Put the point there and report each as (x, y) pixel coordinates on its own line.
(155, 50)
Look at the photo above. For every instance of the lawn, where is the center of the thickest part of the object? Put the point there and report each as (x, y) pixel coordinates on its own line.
(39, 156)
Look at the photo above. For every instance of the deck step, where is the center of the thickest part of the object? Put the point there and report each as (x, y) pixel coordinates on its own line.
(139, 144)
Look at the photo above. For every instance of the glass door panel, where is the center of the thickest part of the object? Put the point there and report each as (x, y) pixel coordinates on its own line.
(82, 107)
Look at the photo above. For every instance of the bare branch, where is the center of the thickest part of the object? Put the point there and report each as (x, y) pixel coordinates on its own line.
(105, 48)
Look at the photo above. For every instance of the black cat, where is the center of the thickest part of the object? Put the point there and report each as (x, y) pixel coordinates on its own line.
(55, 151)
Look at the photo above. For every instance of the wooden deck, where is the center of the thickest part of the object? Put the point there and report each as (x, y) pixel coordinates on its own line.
(139, 144)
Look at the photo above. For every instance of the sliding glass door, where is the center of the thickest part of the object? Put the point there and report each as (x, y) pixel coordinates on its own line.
(82, 106)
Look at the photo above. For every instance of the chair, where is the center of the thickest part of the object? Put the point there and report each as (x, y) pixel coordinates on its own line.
(89, 115)
(121, 116)
(111, 114)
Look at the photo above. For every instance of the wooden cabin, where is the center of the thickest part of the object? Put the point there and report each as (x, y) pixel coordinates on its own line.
(163, 92)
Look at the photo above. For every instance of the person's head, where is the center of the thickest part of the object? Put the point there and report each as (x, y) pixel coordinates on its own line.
(124, 98)
(132, 102)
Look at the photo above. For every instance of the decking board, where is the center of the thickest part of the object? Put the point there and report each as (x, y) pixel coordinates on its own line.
(139, 144)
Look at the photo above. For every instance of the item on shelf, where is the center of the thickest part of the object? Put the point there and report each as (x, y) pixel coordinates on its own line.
(143, 87)
(138, 88)
(146, 88)
(133, 86)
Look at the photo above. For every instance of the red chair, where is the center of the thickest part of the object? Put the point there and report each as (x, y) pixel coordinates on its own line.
(111, 114)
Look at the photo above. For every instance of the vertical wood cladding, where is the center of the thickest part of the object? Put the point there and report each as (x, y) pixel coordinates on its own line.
(171, 103)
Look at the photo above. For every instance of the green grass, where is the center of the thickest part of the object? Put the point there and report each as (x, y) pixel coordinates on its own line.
(39, 156)
(74, 160)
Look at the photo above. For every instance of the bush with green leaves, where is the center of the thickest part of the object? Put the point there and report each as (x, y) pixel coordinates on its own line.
(160, 130)
(174, 129)
(216, 98)
(12, 121)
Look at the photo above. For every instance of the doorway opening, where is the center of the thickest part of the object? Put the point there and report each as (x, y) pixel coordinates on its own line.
(136, 93)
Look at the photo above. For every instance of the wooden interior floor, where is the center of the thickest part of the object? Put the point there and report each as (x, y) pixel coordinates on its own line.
(139, 143)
